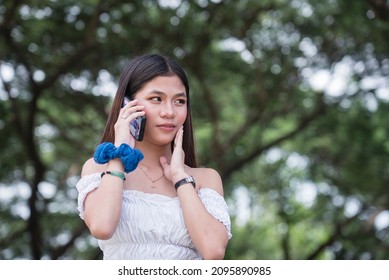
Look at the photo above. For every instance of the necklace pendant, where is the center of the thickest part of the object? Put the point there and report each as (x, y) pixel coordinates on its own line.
(153, 186)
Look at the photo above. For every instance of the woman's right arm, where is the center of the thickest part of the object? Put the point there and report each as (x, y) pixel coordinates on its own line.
(102, 206)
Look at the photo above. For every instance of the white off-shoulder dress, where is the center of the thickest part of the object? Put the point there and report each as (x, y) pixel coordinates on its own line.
(152, 226)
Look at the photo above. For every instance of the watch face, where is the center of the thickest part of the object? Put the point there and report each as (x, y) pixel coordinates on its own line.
(190, 180)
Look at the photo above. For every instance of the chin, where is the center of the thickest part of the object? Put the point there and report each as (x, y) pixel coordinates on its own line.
(163, 141)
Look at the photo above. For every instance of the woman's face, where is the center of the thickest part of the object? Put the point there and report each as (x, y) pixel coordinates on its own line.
(165, 102)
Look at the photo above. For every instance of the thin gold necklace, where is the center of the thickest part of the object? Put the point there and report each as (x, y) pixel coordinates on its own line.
(151, 179)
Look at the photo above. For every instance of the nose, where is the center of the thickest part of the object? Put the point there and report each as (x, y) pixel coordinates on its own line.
(167, 111)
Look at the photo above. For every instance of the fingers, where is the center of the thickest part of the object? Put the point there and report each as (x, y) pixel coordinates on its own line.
(163, 162)
(179, 137)
(122, 126)
(133, 115)
(132, 109)
(178, 153)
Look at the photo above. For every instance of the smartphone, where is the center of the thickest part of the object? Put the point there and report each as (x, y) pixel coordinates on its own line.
(137, 126)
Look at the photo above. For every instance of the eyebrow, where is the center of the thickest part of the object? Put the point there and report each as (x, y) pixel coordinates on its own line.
(181, 94)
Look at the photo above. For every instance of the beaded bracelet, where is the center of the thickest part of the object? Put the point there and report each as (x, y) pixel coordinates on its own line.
(114, 173)
(130, 157)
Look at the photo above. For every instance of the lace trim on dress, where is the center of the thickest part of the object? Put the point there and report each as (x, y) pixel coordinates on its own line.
(216, 206)
(213, 202)
(84, 186)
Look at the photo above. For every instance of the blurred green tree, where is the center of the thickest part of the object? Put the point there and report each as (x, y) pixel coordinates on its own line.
(290, 105)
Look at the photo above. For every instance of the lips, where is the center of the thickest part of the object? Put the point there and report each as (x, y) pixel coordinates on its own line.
(167, 126)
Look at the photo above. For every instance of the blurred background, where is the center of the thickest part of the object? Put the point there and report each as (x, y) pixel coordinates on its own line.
(290, 103)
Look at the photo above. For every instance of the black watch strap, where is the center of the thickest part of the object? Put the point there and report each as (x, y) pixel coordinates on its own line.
(184, 181)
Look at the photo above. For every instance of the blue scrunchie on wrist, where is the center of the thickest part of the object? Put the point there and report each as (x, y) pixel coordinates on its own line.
(130, 157)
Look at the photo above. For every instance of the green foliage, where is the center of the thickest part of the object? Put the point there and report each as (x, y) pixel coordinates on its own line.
(305, 167)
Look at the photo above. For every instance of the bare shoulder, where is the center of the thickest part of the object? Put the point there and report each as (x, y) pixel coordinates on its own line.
(208, 178)
(90, 167)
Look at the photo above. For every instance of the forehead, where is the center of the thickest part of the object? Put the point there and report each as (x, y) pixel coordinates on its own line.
(164, 84)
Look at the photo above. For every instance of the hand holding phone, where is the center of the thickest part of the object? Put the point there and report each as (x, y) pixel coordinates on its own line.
(137, 126)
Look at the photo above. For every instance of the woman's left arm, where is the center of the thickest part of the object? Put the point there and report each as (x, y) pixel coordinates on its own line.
(208, 234)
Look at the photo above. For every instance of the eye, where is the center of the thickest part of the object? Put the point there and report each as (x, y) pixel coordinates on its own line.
(156, 98)
(180, 101)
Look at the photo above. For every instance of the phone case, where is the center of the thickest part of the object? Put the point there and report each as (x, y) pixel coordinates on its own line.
(137, 126)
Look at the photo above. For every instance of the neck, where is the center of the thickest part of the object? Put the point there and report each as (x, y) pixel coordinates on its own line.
(152, 153)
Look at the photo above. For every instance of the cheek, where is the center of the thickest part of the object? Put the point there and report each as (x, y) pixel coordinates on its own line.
(181, 116)
(149, 115)
(152, 113)
(148, 111)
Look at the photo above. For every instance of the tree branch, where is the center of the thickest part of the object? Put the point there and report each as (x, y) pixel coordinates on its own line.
(226, 172)
(380, 8)
(58, 252)
(339, 227)
(5, 26)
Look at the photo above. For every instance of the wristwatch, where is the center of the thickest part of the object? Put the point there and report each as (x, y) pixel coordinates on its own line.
(185, 181)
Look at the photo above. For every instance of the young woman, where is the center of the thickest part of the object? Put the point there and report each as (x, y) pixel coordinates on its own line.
(148, 199)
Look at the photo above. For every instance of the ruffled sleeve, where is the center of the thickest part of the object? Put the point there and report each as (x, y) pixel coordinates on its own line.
(216, 206)
(84, 186)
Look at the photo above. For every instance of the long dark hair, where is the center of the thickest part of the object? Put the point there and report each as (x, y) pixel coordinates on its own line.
(139, 71)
